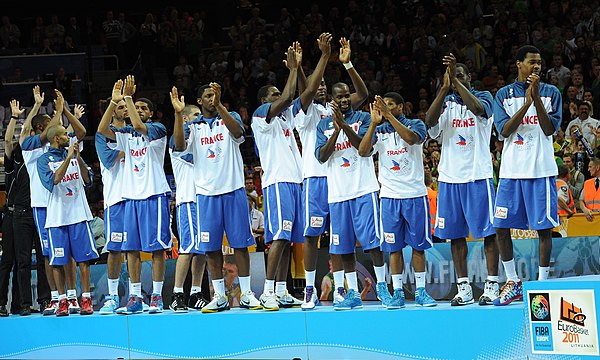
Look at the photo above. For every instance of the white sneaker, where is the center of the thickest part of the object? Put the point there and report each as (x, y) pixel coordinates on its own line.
(491, 291)
(268, 301)
(249, 301)
(218, 303)
(310, 298)
(339, 295)
(288, 301)
(464, 295)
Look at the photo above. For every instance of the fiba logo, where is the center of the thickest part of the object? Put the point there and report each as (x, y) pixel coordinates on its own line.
(539, 307)
(571, 313)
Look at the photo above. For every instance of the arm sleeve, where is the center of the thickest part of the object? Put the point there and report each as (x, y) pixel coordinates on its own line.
(121, 138)
(106, 155)
(32, 143)
(259, 118)
(487, 101)
(364, 126)
(45, 173)
(156, 131)
(238, 118)
(418, 127)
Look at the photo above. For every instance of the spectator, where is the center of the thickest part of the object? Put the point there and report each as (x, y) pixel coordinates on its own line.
(97, 225)
(55, 32)
(561, 72)
(586, 124)
(257, 221)
(566, 205)
(10, 34)
(576, 177)
(111, 29)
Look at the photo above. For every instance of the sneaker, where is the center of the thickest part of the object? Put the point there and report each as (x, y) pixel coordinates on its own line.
(50, 308)
(351, 301)
(339, 295)
(197, 301)
(383, 294)
(111, 304)
(249, 301)
(86, 306)
(288, 301)
(178, 303)
(310, 298)
(511, 291)
(491, 290)
(25, 311)
(73, 306)
(218, 303)
(269, 301)
(464, 295)
(424, 299)
(156, 304)
(134, 306)
(3, 311)
(63, 308)
(145, 307)
(398, 300)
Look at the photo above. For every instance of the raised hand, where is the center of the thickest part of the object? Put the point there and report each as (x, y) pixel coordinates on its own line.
(324, 42)
(129, 87)
(117, 91)
(73, 150)
(338, 118)
(534, 84)
(216, 88)
(290, 58)
(447, 82)
(59, 102)
(79, 111)
(450, 61)
(298, 50)
(376, 117)
(37, 96)
(345, 52)
(177, 102)
(15, 108)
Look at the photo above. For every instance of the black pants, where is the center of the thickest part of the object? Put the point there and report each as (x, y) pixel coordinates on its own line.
(8, 263)
(26, 239)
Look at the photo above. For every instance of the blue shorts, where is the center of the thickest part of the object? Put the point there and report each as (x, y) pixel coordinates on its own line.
(354, 219)
(526, 204)
(464, 208)
(76, 240)
(405, 222)
(187, 227)
(226, 213)
(39, 216)
(283, 212)
(114, 217)
(314, 205)
(147, 225)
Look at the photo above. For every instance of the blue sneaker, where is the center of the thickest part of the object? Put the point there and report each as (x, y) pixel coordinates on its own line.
(134, 306)
(351, 301)
(383, 294)
(511, 291)
(397, 301)
(423, 298)
(156, 304)
(111, 304)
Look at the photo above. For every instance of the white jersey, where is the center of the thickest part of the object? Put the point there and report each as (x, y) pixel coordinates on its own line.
(144, 175)
(401, 170)
(183, 171)
(33, 148)
(218, 163)
(276, 144)
(67, 204)
(111, 169)
(349, 175)
(306, 124)
(465, 140)
(528, 153)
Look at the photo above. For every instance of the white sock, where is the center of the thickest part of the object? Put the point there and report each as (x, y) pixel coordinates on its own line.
(397, 281)
(269, 286)
(195, 289)
(420, 279)
(544, 272)
(280, 288)
(310, 277)
(71, 293)
(338, 279)
(352, 281)
(54, 294)
(86, 294)
(178, 290)
(244, 283)
(135, 289)
(510, 270)
(459, 280)
(219, 286)
(493, 278)
(113, 287)
(380, 273)
(62, 296)
(157, 287)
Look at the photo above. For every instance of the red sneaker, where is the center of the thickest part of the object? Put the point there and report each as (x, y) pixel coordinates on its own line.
(86, 306)
(50, 308)
(73, 306)
(63, 308)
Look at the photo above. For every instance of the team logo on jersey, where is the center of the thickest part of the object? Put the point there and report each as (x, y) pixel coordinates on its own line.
(520, 140)
(465, 142)
(400, 167)
(214, 153)
(211, 154)
(69, 192)
(136, 168)
(345, 162)
(396, 166)
(524, 142)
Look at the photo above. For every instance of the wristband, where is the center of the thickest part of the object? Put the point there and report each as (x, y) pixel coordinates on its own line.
(114, 103)
(14, 117)
(348, 65)
(127, 96)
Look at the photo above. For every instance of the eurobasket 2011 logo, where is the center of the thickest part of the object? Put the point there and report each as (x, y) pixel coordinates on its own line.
(539, 306)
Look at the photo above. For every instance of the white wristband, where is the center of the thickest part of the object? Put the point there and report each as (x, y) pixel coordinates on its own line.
(113, 102)
(348, 65)
(127, 96)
